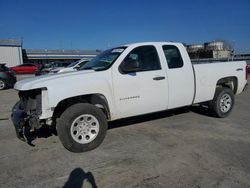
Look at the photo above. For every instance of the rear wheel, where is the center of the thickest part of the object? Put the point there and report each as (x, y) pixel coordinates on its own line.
(223, 102)
(2, 84)
(82, 127)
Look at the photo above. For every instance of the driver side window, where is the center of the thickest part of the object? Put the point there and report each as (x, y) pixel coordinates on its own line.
(146, 57)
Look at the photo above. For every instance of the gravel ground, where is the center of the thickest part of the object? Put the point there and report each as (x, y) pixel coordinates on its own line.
(180, 148)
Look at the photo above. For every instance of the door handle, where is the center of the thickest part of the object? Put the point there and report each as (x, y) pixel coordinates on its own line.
(159, 78)
(239, 69)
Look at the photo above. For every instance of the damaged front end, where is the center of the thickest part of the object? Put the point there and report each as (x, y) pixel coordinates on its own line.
(26, 112)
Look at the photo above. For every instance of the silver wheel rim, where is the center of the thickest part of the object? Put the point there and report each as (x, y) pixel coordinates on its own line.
(2, 84)
(225, 103)
(84, 128)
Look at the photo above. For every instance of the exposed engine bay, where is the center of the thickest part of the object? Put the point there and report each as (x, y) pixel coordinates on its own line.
(27, 112)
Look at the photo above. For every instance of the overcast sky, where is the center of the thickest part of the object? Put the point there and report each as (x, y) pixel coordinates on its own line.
(92, 24)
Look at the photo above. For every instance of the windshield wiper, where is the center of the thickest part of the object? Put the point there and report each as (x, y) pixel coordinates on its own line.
(94, 68)
(99, 68)
(86, 68)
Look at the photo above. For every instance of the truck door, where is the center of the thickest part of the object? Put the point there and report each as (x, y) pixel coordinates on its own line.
(143, 89)
(180, 76)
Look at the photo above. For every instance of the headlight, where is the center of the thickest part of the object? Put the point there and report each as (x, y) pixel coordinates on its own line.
(31, 101)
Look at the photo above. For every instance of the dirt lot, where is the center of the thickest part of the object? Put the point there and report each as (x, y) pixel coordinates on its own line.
(180, 148)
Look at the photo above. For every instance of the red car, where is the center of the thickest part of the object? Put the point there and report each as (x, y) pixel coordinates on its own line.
(25, 68)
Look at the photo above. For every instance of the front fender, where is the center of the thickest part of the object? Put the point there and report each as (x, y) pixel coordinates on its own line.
(59, 91)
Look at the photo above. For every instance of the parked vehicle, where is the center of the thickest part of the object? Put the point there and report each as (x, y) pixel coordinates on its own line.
(50, 66)
(7, 77)
(121, 82)
(26, 68)
(71, 67)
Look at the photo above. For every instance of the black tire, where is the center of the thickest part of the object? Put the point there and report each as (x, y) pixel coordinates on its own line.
(215, 106)
(66, 121)
(2, 84)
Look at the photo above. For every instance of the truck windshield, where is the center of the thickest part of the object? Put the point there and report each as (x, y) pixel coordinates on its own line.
(104, 60)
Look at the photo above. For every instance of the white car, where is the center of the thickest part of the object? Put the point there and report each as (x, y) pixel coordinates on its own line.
(121, 82)
(71, 67)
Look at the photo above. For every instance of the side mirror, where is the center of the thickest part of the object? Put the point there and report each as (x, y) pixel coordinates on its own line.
(130, 66)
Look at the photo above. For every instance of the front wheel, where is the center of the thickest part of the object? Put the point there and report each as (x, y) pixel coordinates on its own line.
(223, 102)
(82, 127)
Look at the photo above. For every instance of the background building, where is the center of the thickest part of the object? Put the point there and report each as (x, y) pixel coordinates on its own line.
(11, 52)
(48, 56)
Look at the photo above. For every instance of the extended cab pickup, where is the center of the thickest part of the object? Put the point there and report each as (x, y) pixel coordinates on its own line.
(121, 82)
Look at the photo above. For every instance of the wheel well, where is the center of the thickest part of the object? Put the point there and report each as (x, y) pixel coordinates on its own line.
(98, 100)
(229, 82)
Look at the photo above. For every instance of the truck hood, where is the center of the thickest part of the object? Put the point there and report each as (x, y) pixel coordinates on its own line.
(50, 80)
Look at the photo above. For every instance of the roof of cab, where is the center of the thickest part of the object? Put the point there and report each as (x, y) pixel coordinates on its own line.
(151, 43)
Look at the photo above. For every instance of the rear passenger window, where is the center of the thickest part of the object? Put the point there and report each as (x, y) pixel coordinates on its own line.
(146, 56)
(173, 56)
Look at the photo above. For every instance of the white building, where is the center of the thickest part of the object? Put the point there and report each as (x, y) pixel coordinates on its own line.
(11, 52)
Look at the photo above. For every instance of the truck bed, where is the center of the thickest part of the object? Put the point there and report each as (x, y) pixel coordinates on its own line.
(208, 74)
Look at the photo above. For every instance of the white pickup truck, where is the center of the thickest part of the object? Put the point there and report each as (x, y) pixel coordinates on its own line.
(121, 82)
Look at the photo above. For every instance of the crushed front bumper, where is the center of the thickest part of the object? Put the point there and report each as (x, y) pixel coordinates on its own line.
(20, 121)
(246, 87)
